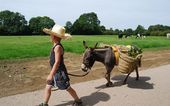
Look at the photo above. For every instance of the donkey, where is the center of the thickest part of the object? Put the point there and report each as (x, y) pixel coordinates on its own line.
(103, 55)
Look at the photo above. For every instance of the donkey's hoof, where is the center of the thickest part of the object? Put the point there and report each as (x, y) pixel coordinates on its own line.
(109, 84)
(137, 79)
(124, 82)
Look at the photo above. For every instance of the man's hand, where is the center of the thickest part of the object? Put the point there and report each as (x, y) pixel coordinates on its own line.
(49, 78)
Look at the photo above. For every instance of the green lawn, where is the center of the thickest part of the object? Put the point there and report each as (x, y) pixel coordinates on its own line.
(13, 47)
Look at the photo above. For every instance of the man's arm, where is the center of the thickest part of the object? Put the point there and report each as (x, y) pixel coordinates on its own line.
(57, 51)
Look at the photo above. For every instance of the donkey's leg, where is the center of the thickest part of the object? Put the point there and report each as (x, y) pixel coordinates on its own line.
(125, 80)
(109, 83)
(137, 73)
(107, 75)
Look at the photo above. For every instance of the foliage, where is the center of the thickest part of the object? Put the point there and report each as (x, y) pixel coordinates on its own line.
(140, 30)
(158, 30)
(128, 32)
(12, 23)
(117, 31)
(108, 32)
(87, 24)
(36, 24)
(103, 29)
(134, 51)
(68, 27)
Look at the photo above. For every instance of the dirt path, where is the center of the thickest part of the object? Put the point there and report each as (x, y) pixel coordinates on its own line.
(152, 89)
(19, 76)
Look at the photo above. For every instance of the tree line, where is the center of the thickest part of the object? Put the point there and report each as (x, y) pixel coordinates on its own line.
(14, 23)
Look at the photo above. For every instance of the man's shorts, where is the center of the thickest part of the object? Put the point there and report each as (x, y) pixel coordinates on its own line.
(60, 80)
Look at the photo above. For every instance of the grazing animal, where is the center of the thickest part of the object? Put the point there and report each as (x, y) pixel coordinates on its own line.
(140, 36)
(104, 55)
(120, 36)
(168, 35)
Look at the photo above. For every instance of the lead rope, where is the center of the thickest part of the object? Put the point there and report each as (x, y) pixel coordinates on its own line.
(75, 75)
(78, 75)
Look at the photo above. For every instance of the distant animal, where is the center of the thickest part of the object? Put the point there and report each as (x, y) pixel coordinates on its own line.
(104, 55)
(120, 36)
(140, 36)
(126, 36)
(168, 35)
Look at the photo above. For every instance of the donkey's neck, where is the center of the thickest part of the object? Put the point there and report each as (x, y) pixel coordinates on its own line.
(100, 55)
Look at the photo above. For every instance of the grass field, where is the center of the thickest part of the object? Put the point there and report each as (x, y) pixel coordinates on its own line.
(16, 47)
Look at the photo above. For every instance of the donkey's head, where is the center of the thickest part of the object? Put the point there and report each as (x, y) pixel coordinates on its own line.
(88, 57)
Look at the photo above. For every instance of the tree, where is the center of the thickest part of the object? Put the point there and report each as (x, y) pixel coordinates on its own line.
(103, 29)
(36, 24)
(158, 30)
(68, 27)
(12, 23)
(128, 32)
(109, 32)
(116, 31)
(140, 30)
(88, 24)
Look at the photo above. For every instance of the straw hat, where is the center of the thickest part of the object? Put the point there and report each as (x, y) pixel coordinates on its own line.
(57, 31)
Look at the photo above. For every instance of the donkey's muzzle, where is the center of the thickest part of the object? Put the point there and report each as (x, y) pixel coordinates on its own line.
(84, 68)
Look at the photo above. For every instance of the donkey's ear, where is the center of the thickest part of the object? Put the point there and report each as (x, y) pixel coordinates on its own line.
(96, 45)
(84, 44)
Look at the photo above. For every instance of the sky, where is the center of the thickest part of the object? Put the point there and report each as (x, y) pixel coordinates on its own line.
(121, 14)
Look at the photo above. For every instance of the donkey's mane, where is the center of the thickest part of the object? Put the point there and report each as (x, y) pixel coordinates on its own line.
(101, 48)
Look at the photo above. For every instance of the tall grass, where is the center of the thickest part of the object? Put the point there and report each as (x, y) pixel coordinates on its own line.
(13, 47)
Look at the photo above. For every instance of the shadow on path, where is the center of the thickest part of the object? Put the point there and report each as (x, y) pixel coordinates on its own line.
(90, 100)
(131, 82)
